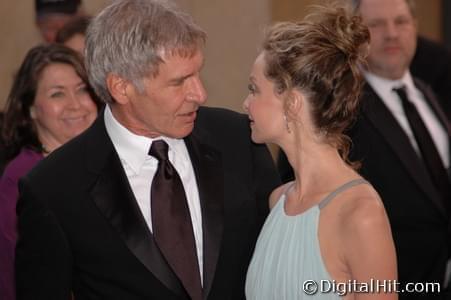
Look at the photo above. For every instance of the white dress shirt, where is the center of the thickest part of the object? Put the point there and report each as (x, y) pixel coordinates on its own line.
(384, 89)
(140, 169)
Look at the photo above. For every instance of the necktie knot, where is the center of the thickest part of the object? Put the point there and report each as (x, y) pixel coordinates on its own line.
(401, 91)
(159, 150)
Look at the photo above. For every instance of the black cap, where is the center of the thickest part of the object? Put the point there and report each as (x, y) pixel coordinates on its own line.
(44, 7)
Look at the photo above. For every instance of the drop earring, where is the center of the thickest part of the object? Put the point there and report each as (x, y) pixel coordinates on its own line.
(287, 125)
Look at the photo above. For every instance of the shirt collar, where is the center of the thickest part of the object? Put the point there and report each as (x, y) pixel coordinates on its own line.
(373, 79)
(133, 148)
(384, 86)
(407, 80)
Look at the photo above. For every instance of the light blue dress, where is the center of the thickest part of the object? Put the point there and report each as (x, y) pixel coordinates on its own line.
(287, 255)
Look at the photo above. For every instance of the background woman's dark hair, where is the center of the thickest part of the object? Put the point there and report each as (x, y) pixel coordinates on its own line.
(18, 128)
(320, 56)
(78, 25)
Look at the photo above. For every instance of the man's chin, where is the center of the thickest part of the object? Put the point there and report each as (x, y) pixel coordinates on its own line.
(390, 71)
(181, 133)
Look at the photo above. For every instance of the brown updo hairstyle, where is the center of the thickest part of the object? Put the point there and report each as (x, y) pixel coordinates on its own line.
(18, 129)
(320, 57)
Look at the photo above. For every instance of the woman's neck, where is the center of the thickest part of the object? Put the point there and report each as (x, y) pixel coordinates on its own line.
(318, 168)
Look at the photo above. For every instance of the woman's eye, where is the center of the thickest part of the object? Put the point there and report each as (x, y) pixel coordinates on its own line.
(57, 95)
(251, 88)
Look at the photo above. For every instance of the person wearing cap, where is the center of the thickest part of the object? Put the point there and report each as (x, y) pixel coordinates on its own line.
(52, 15)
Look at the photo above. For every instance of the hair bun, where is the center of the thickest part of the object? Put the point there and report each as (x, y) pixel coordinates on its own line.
(321, 56)
(346, 30)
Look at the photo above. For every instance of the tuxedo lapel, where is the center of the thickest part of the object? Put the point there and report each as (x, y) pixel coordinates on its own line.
(207, 165)
(113, 196)
(434, 104)
(383, 120)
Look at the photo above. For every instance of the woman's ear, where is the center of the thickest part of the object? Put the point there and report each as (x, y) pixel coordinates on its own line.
(32, 112)
(117, 87)
(294, 104)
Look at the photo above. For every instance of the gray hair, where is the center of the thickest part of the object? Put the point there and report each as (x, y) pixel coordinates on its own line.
(130, 38)
(355, 4)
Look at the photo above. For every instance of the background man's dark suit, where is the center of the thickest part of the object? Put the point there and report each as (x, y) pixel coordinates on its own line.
(82, 229)
(432, 64)
(417, 214)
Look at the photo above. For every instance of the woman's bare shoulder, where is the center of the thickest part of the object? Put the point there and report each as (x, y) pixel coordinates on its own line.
(362, 215)
(362, 205)
(366, 239)
(277, 193)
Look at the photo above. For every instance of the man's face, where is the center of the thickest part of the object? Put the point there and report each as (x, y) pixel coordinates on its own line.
(170, 100)
(50, 24)
(393, 36)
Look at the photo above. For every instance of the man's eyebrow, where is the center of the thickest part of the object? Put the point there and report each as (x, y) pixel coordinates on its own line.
(184, 77)
(180, 79)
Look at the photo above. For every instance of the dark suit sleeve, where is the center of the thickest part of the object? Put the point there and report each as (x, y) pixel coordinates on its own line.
(283, 166)
(432, 64)
(362, 147)
(43, 258)
(266, 178)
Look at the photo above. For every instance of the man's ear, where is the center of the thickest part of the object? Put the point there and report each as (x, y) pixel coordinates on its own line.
(117, 87)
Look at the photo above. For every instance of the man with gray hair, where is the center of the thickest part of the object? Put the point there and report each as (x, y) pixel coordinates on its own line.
(161, 198)
(402, 138)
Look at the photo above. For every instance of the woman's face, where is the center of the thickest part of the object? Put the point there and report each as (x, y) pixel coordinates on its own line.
(62, 107)
(264, 107)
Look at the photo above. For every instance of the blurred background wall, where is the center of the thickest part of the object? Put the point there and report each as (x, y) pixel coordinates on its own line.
(234, 28)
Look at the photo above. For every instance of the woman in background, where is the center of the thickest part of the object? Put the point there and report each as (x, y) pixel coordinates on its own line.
(50, 102)
(328, 224)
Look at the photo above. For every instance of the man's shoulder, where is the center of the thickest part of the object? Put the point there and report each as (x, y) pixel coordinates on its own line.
(222, 121)
(70, 157)
(216, 114)
(226, 130)
(422, 85)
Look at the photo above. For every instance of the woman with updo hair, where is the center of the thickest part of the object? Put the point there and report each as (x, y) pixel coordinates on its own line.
(328, 233)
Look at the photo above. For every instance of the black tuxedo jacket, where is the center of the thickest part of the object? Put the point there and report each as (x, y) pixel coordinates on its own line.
(417, 214)
(432, 64)
(82, 231)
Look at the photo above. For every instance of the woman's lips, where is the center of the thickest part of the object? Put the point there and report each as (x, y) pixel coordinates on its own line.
(76, 120)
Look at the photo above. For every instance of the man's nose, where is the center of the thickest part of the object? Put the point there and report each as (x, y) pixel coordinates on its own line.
(197, 91)
(391, 30)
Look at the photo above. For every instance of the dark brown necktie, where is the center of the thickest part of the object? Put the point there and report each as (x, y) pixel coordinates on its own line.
(171, 222)
(429, 152)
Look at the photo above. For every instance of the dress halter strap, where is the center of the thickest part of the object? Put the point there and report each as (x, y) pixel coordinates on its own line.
(340, 189)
